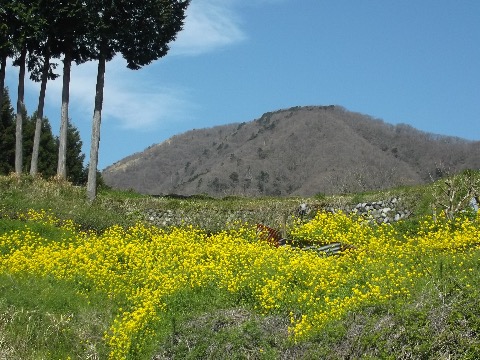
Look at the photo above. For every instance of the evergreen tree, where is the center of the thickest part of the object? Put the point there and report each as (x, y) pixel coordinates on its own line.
(48, 151)
(7, 135)
(47, 156)
(76, 171)
(48, 145)
(28, 127)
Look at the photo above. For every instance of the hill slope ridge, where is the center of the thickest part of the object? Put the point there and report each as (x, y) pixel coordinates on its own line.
(297, 151)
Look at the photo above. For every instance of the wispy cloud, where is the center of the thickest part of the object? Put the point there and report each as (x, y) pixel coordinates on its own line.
(209, 25)
(147, 107)
(213, 24)
(131, 101)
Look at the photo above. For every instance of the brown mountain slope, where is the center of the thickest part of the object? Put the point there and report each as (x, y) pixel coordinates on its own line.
(297, 151)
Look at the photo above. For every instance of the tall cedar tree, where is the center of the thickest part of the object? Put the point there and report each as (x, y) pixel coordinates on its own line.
(70, 25)
(45, 75)
(41, 70)
(23, 25)
(140, 31)
(23, 31)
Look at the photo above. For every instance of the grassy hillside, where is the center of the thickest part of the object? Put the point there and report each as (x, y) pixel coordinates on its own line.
(97, 281)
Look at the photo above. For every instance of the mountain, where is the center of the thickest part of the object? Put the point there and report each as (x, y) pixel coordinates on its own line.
(297, 151)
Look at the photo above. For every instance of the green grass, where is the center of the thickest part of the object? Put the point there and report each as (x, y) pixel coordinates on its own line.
(44, 318)
(125, 208)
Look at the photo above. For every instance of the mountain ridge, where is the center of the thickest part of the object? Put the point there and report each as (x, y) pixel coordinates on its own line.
(298, 151)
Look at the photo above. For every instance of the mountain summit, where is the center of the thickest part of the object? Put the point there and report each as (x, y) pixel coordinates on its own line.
(297, 151)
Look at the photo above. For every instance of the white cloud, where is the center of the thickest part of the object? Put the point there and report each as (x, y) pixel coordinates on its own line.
(145, 109)
(130, 98)
(212, 24)
(209, 24)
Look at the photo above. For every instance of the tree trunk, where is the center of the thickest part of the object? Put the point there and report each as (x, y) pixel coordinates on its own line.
(62, 147)
(20, 107)
(95, 141)
(3, 66)
(38, 124)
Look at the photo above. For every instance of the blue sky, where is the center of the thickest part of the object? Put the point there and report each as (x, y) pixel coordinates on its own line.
(412, 61)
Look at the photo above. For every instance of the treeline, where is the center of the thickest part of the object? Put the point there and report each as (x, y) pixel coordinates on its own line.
(48, 146)
(35, 34)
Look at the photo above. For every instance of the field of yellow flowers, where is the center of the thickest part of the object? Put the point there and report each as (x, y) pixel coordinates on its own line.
(141, 267)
